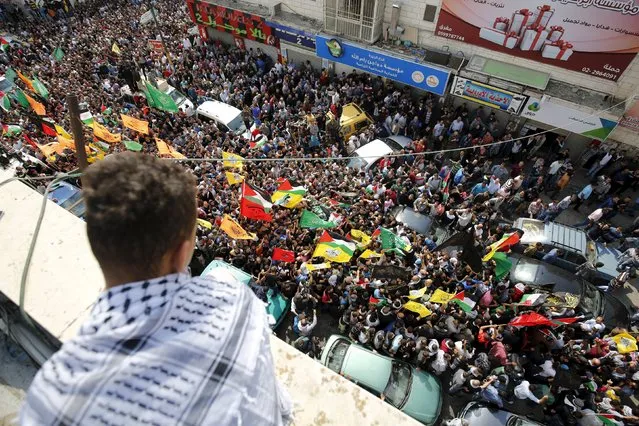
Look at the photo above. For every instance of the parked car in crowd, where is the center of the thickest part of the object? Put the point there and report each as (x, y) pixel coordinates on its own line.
(416, 393)
(575, 245)
(591, 300)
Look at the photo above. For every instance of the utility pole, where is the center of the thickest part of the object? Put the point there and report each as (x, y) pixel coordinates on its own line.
(76, 129)
(157, 27)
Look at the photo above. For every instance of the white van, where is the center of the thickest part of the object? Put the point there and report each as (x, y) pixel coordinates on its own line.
(227, 118)
(367, 155)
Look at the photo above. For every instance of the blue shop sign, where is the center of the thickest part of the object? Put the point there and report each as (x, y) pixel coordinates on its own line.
(292, 35)
(491, 96)
(422, 76)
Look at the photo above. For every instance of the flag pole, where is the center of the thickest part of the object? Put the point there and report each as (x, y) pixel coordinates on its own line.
(76, 129)
(157, 27)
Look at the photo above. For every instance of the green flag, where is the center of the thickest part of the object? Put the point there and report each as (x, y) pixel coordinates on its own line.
(391, 241)
(502, 264)
(132, 146)
(5, 103)
(40, 88)
(313, 221)
(149, 99)
(10, 75)
(11, 129)
(162, 100)
(58, 54)
(21, 98)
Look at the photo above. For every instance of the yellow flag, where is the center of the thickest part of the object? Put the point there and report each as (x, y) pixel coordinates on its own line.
(440, 296)
(310, 267)
(361, 238)
(132, 123)
(47, 149)
(163, 147)
(369, 253)
(115, 49)
(66, 142)
(35, 105)
(232, 160)
(60, 130)
(625, 343)
(103, 133)
(234, 178)
(417, 294)
(234, 230)
(204, 223)
(176, 154)
(418, 308)
(27, 82)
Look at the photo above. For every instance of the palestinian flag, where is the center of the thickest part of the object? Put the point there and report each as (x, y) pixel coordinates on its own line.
(334, 247)
(11, 129)
(4, 44)
(288, 195)
(533, 299)
(464, 302)
(335, 203)
(608, 419)
(5, 103)
(283, 255)
(254, 204)
(504, 244)
(87, 118)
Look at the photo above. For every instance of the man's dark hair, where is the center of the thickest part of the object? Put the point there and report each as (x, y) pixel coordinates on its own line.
(138, 207)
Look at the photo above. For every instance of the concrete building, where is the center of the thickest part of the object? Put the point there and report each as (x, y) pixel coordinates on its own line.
(578, 91)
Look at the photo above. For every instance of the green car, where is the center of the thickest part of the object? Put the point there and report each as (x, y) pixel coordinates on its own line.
(416, 393)
(277, 305)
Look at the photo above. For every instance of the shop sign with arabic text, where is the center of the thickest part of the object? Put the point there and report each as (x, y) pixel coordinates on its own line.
(491, 96)
(596, 37)
(238, 23)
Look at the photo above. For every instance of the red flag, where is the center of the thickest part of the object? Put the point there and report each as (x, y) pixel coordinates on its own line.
(48, 128)
(530, 319)
(30, 142)
(283, 255)
(373, 301)
(510, 241)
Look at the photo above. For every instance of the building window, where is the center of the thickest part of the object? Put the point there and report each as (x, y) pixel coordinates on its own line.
(357, 19)
(430, 12)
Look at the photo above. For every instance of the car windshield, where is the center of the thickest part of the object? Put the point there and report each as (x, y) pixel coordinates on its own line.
(337, 355)
(398, 386)
(357, 163)
(591, 299)
(393, 144)
(61, 194)
(177, 97)
(236, 124)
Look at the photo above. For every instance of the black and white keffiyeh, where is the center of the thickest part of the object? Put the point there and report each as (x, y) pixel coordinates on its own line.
(172, 350)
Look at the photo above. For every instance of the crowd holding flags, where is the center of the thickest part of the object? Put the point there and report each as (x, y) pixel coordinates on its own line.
(254, 204)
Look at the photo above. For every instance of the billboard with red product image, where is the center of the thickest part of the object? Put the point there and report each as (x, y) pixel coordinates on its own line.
(596, 37)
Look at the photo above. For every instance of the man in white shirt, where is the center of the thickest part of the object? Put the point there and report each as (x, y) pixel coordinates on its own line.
(456, 126)
(593, 326)
(524, 390)
(601, 163)
(592, 218)
(305, 327)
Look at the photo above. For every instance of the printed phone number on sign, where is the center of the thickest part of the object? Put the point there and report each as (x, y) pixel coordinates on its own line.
(602, 74)
(451, 36)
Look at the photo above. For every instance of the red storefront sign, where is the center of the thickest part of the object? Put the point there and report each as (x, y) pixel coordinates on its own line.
(240, 24)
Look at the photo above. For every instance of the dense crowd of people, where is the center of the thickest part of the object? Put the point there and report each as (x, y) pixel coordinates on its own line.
(574, 373)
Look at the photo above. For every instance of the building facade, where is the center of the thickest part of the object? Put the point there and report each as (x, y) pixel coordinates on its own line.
(570, 67)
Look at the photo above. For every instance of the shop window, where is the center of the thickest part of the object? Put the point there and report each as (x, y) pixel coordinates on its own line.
(430, 12)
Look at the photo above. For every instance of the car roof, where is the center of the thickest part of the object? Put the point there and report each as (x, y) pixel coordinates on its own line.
(552, 233)
(349, 111)
(373, 151)
(610, 259)
(370, 369)
(416, 221)
(480, 414)
(535, 272)
(401, 140)
(225, 113)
